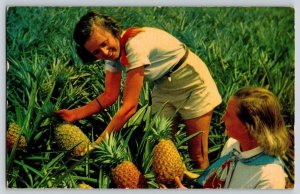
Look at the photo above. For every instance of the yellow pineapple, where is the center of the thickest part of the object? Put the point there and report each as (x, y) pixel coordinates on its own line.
(12, 137)
(127, 175)
(114, 154)
(84, 186)
(69, 136)
(167, 162)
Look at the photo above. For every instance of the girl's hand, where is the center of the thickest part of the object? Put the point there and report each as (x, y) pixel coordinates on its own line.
(93, 145)
(67, 115)
(86, 150)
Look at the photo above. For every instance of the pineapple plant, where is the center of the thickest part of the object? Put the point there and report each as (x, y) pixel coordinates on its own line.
(12, 135)
(45, 88)
(69, 136)
(166, 162)
(114, 154)
(48, 111)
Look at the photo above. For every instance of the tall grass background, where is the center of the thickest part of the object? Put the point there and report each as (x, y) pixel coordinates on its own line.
(242, 46)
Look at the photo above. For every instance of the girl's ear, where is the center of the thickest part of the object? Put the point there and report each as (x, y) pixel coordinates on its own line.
(85, 55)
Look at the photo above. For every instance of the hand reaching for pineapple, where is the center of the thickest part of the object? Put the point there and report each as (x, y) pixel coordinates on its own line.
(67, 115)
(94, 144)
(88, 149)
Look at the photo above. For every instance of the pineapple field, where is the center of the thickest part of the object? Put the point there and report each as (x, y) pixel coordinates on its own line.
(242, 46)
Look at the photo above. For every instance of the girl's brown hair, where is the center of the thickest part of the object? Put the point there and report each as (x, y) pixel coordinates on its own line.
(84, 27)
(260, 110)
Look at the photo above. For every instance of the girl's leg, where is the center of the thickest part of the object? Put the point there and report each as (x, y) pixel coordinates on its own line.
(175, 123)
(198, 145)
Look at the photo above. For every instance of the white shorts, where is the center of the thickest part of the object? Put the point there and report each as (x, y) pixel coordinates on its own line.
(191, 92)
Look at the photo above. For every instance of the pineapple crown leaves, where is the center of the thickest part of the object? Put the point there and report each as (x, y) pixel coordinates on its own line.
(48, 110)
(161, 128)
(113, 150)
(158, 128)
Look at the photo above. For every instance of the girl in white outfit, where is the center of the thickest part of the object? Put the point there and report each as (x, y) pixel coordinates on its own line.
(181, 79)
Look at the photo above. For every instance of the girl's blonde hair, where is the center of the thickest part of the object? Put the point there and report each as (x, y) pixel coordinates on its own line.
(260, 111)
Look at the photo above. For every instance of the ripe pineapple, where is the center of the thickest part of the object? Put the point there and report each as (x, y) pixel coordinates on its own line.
(68, 135)
(127, 175)
(12, 136)
(167, 162)
(114, 153)
(84, 186)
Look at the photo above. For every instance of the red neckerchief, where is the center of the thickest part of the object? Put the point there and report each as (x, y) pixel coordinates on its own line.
(129, 33)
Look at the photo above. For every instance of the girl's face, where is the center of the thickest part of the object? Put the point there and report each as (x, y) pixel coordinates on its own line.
(234, 127)
(102, 44)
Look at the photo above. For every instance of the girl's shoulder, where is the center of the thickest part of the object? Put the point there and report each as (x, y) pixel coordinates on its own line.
(272, 176)
(149, 32)
(230, 144)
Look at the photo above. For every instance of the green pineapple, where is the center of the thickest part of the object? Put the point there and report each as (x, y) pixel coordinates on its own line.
(166, 162)
(68, 135)
(45, 88)
(12, 136)
(114, 153)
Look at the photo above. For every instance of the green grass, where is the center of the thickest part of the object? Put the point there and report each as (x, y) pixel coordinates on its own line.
(241, 46)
